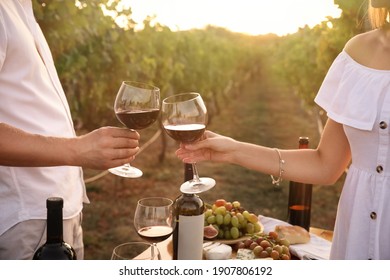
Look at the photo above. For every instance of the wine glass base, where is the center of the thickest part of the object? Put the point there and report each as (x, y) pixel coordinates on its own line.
(126, 172)
(191, 187)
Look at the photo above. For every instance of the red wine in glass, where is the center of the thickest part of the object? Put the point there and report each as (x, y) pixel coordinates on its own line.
(137, 106)
(139, 119)
(155, 234)
(186, 133)
(153, 219)
(184, 118)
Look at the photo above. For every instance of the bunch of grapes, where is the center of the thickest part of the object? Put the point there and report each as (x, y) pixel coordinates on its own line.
(231, 220)
(267, 246)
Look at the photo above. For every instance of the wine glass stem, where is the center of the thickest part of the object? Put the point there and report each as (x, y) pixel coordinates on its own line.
(127, 165)
(154, 250)
(195, 172)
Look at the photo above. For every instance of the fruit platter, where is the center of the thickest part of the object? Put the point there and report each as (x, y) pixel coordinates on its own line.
(229, 227)
(228, 222)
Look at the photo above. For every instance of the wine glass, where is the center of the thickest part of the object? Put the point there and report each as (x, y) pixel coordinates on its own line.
(153, 220)
(137, 106)
(184, 118)
(136, 250)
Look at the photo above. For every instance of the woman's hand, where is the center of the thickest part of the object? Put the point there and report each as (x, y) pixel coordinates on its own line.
(323, 165)
(212, 146)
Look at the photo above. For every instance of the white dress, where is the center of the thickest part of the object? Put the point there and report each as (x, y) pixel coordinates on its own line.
(359, 98)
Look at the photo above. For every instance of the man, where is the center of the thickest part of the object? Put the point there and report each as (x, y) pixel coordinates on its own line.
(40, 154)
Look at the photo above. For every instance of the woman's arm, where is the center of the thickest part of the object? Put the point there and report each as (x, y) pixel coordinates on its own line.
(100, 149)
(323, 165)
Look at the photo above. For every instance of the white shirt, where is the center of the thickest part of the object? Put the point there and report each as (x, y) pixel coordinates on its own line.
(359, 98)
(32, 99)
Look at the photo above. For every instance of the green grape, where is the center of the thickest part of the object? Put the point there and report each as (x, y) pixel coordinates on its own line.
(234, 232)
(220, 210)
(236, 204)
(227, 218)
(244, 224)
(269, 250)
(246, 215)
(257, 227)
(285, 249)
(211, 219)
(219, 219)
(227, 234)
(284, 241)
(221, 234)
(278, 248)
(240, 217)
(257, 250)
(234, 221)
(252, 218)
(250, 228)
(208, 213)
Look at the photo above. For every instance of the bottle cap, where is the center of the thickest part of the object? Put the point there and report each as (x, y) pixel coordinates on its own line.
(304, 140)
(55, 202)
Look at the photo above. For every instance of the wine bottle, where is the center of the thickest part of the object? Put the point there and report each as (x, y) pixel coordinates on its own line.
(299, 201)
(188, 234)
(55, 248)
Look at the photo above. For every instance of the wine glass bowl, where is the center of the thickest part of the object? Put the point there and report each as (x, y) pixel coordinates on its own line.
(184, 118)
(134, 251)
(137, 106)
(153, 219)
(185, 133)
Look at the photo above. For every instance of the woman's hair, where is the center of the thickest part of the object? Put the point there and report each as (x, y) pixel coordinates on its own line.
(378, 16)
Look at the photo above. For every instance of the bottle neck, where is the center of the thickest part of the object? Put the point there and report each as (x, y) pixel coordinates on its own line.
(188, 172)
(303, 143)
(54, 226)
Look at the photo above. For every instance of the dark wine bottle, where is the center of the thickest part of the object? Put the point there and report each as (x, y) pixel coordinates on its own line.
(299, 200)
(55, 248)
(188, 234)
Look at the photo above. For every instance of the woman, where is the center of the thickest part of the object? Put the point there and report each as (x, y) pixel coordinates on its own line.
(356, 95)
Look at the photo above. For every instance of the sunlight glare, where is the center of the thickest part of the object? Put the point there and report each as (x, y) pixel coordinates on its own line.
(246, 16)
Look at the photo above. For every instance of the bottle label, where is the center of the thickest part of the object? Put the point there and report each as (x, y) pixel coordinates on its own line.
(190, 237)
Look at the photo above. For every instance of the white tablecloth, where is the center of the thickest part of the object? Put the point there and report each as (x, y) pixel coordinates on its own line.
(317, 248)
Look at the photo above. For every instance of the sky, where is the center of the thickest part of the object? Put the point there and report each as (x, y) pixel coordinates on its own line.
(252, 17)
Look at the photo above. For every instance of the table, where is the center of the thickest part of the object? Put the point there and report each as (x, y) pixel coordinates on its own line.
(166, 249)
(326, 234)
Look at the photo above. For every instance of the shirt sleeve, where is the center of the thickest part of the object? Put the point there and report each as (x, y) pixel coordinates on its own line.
(3, 41)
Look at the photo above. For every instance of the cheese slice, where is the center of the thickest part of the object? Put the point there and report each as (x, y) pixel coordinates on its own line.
(218, 252)
(245, 254)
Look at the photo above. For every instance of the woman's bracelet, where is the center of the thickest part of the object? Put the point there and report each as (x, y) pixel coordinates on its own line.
(281, 170)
